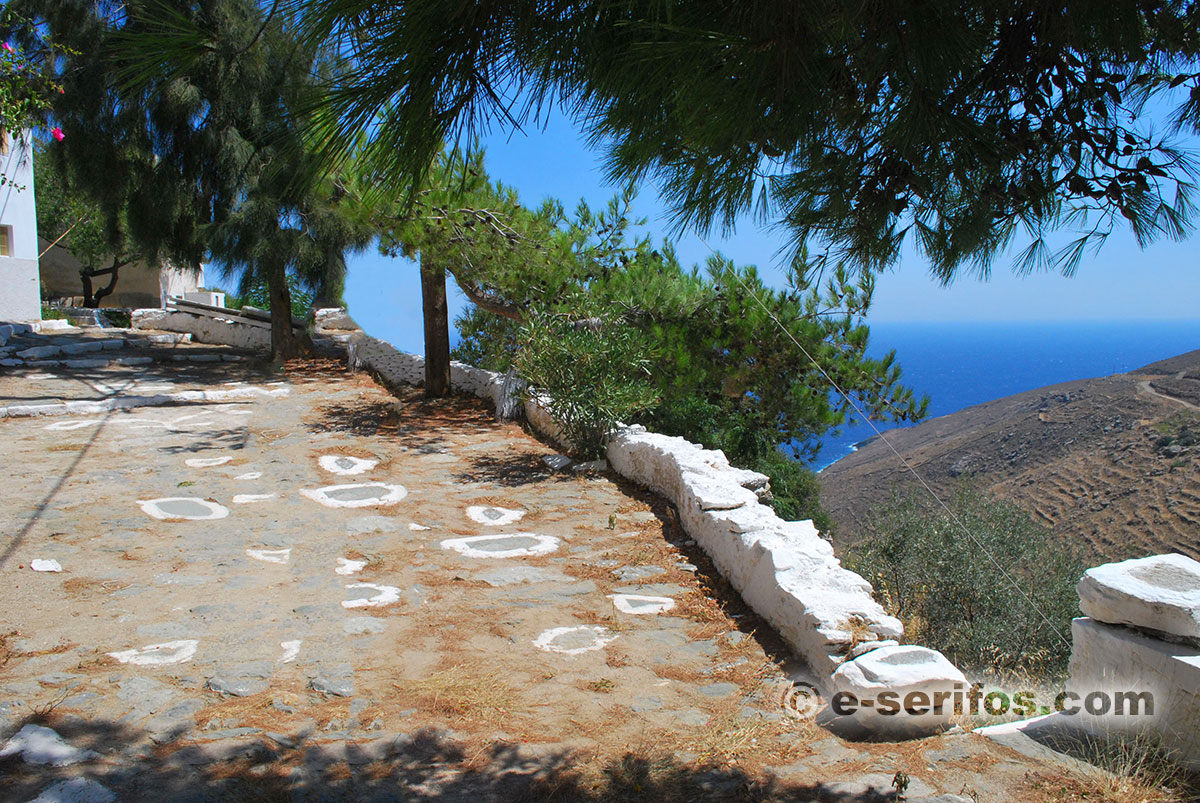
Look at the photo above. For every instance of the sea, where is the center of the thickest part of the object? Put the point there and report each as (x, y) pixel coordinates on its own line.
(962, 364)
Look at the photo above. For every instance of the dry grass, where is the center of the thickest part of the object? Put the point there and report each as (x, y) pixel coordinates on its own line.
(470, 690)
(7, 650)
(728, 737)
(1133, 770)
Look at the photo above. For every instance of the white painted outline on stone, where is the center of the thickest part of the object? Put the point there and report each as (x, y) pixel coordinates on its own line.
(412, 525)
(622, 603)
(151, 508)
(250, 499)
(545, 545)
(395, 494)
(169, 652)
(386, 596)
(207, 462)
(546, 640)
(290, 650)
(476, 513)
(361, 465)
(350, 566)
(270, 555)
(250, 475)
(45, 565)
(66, 426)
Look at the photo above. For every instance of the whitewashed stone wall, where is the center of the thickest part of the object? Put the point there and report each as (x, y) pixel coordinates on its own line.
(1140, 636)
(784, 570)
(204, 329)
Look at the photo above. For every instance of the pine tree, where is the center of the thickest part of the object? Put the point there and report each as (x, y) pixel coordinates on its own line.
(857, 126)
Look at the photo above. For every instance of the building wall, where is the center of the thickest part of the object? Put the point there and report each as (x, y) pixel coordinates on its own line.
(138, 285)
(20, 296)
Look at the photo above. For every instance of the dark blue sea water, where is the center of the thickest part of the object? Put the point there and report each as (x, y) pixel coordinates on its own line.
(962, 364)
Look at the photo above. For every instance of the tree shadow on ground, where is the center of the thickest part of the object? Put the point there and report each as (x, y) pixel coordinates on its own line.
(408, 419)
(512, 470)
(427, 765)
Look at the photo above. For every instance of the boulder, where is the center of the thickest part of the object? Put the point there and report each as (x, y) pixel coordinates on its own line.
(903, 690)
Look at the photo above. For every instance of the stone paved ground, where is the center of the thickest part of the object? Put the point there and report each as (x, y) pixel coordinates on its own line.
(300, 643)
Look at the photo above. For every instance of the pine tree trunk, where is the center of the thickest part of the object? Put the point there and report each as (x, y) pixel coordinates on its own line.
(437, 329)
(285, 344)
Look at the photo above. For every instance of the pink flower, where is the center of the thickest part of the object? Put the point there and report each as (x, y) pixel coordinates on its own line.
(7, 47)
(57, 133)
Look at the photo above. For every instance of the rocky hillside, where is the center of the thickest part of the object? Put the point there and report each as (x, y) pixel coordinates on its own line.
(1114, 461)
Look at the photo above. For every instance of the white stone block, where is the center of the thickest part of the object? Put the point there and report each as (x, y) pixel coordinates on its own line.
(1160, 593)
(902, 690)
(1153, 684)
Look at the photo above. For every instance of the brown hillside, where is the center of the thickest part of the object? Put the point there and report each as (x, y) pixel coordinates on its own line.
(1107, 461)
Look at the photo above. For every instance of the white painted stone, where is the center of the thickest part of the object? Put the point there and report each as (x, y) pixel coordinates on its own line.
(45, 565)
(183, 507)
(334, 318)
(207, 462)
(270, 555)
(350, 566)
(366, 494)
(250, 475)
(900, 671)
(66, 426)
(384, 595)
(493, 516)
(250, 499)
(37, 744)
(291, 649)
(412, 525)
(785, 571)
(502, 546)
(574, 640)
(639, 604)
(1161, 592)
(169, 652)
(131, 402)
(345, 464)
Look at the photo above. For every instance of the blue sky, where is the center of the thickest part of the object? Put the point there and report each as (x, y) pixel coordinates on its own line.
(1122, 283)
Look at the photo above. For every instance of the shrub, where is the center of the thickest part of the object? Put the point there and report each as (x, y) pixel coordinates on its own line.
(951, 596)
(595, 372)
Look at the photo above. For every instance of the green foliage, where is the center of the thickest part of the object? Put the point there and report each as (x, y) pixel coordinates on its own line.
(853, 125)
(596, 373)
(253, 292)
(67, 215)
(952, 597)
(190, 116)
(733, 360)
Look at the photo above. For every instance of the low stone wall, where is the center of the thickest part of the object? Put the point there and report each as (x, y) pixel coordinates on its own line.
(1135, 658)
(784, 570)
(204, 329)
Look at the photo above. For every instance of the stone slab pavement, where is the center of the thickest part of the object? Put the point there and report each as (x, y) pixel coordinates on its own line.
(318, 590)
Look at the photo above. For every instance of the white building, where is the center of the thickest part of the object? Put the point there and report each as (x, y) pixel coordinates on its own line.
(20, 295)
